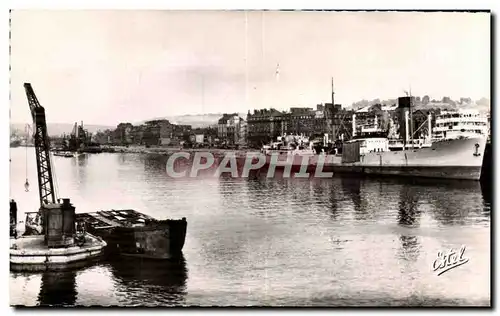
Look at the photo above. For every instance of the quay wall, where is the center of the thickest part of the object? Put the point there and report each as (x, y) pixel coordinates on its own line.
(170, 150)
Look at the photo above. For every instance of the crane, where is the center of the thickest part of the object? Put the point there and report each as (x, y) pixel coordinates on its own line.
(57, 219)
(42, 146)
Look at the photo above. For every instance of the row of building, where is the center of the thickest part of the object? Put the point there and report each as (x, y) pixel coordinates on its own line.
(329, 122)
(155, 133)
(333, 123)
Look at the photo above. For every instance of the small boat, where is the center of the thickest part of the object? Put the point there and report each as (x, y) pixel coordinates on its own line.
(131, 233)
(294, 152)
(15, 143)
(65, 154)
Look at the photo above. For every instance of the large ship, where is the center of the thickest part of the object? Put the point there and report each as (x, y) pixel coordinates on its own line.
(460, 158)
(453, 149)
(456, 151)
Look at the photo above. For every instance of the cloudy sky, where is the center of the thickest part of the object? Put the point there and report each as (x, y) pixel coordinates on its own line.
(105, 67)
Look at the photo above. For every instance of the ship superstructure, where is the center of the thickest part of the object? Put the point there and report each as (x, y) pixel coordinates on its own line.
(464, 123)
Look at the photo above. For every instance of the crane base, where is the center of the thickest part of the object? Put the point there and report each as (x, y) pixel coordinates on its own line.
(30, 253)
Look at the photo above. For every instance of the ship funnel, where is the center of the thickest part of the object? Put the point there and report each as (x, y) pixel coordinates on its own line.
(403, 111)
(429, 126)
(353, 125)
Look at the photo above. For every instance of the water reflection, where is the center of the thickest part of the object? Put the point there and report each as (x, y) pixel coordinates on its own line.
(275, 240)
(79, 164)
(449, 202)
(456, 202)
(408, 213)
(82, 160)
(154, 162)
(409, 248)
(163, 280)
(58, 288)
(334, 198)
(487, 191)
(351, 186)
(408, 217)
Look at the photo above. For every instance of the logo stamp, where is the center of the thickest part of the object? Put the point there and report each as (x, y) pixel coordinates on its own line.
(449, 260)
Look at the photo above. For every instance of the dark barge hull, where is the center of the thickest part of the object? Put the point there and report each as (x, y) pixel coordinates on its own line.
(130, 233)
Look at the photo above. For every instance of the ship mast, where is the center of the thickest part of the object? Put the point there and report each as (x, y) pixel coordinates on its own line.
(334, 133)
(333, 94)
(411, 122)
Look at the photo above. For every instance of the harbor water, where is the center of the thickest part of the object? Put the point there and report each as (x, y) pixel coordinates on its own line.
(268, 241)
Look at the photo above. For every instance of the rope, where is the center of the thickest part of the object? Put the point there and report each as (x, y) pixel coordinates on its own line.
(54, 177)
(10, 172)
(26, 184)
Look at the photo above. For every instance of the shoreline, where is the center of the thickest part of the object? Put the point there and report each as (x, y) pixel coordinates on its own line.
(169, 150)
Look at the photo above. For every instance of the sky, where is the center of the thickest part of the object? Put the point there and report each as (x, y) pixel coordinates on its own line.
(106, 67)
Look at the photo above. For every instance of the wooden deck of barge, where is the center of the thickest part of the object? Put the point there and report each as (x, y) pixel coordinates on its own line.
(114, 218)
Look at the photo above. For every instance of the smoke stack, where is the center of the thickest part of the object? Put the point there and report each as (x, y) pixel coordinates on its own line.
(429, 119)
(353, 125)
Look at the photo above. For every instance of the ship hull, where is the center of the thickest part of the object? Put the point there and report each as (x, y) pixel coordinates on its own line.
(451, 159)
(437, 172)
(163, 240)
(294, 163)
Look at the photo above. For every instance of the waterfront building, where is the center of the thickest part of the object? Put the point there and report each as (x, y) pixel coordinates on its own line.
(243, 132)
(338, 122)
(122, 134)
(151, 133)
(180, 133)
(102, 137)
(229, 128)
(305, 121)
(265, 125)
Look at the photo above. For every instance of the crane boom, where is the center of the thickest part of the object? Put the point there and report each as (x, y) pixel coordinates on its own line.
(42, 146)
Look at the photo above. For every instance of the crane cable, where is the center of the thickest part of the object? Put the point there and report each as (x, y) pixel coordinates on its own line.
(27, 184)
(54, 177)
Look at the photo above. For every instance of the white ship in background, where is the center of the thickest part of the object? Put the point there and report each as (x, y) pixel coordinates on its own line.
(468, 123)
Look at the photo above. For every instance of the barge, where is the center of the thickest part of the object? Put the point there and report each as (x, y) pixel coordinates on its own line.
(131, 233)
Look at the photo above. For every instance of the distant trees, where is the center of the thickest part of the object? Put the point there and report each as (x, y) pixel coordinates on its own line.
(425, 99)
(385, 120)
(483, 101)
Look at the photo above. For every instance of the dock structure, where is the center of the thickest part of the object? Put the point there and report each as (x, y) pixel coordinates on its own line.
(30, 253)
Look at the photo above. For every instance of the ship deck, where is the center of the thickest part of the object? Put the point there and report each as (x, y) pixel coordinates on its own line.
(37, 244)
(114, 218)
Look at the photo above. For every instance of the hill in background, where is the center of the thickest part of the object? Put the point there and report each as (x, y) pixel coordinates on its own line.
(57, 129)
